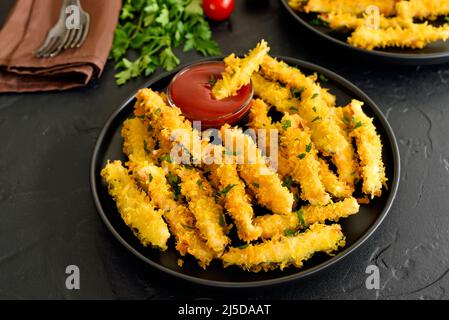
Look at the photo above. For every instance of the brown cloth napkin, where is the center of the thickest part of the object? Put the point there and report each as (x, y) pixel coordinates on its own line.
(25, 30)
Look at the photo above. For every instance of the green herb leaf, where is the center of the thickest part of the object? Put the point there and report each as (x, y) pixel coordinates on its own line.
(286, 124)
(301, 218)
(288, 181)
(319, 22)
(153, 29)
(256, 185)
(309, 147)
(293, 109)
(222, 221)
(188, 227)
(289, 233)
(212, 80)
(302, 156)
(226, 189)
(358, 125)
(316, 119)
(243, 246)
(165, 158)
(200, 183)
(174, 182)
(296, 92)
(315, 95)
(323, 78)
(150, 177)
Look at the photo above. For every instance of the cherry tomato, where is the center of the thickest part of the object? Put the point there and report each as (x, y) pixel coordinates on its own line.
(218, 10)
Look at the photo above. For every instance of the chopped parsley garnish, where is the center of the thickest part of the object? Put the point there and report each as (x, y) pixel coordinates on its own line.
(188, 227)
(316, 119)
(309, 147)
(315, 95)
(293, 109)
(323, 78)
(157, 111)
(256, 185)
(174, 182)
(302, 156)
(289, 233)
(165, 158)
(301, 218)
(226, 189)
(288, 182)
(296, 92)
(243, 246)
(286, 124)
(358, 125)
(212, 80)
(200, 184)
(222, 221)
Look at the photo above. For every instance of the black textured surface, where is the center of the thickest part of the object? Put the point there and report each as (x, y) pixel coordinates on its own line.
(48, 219)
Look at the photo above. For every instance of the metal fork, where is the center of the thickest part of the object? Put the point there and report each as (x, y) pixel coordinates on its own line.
(60, 37)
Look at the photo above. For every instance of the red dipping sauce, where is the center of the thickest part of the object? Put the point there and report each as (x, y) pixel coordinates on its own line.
(191, 91)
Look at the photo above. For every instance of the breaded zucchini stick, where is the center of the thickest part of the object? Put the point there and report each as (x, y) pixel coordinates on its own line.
(369, 148)
(327, 136)
(238, 71)
(208, 213)
(296, 4)
(331, 182)
(259, 119)
(180, 220)
(338, 20)
(297, 147)
(287, 250)
(236, 201)
(170, 125)
(386, 7)
(416, 36)
(276, 225)
(424, 8)
(138, 145)
(134, 206)
(260, 178)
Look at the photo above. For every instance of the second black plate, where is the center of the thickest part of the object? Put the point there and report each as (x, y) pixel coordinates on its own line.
(357, 228)
(434, 53)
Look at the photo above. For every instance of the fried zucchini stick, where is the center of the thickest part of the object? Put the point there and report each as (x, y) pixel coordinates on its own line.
(331, 182)
(326, 134)
(416, 36)
(338, 20)
(386, 7)
(208, 213)
(424, 8)
(134, 206)
(369, 148)
(138, 145)
(260, 178)
(170, 125)
(275, 225)
(287, 250)
(297, 147)
(238, 71)
(236, 201)
(180, 219)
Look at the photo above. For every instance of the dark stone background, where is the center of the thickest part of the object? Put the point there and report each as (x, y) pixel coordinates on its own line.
(48, 220)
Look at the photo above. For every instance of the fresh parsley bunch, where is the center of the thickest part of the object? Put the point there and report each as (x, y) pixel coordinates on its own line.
(152, 28)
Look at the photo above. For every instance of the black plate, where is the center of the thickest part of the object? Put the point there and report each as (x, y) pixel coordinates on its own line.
(434, 53)
(357, 228)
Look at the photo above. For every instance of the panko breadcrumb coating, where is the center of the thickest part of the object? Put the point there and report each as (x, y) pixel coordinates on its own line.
(236, 201)
(338, 20)
(180, 220)
(170, 125)
(286, 251)
(134, 206)
(261, 179)
(331, 182)
(369, 148)
(416, 36)
(275, 225)
(208, 213)
(326, 134)
(238, 71)
(297, 147)
(424, 8)
(138, 145)
(386, 7)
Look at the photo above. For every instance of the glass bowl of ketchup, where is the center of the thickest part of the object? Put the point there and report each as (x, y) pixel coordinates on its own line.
(191, 91)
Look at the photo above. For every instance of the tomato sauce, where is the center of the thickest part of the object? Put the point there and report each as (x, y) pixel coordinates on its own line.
(190, 90)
